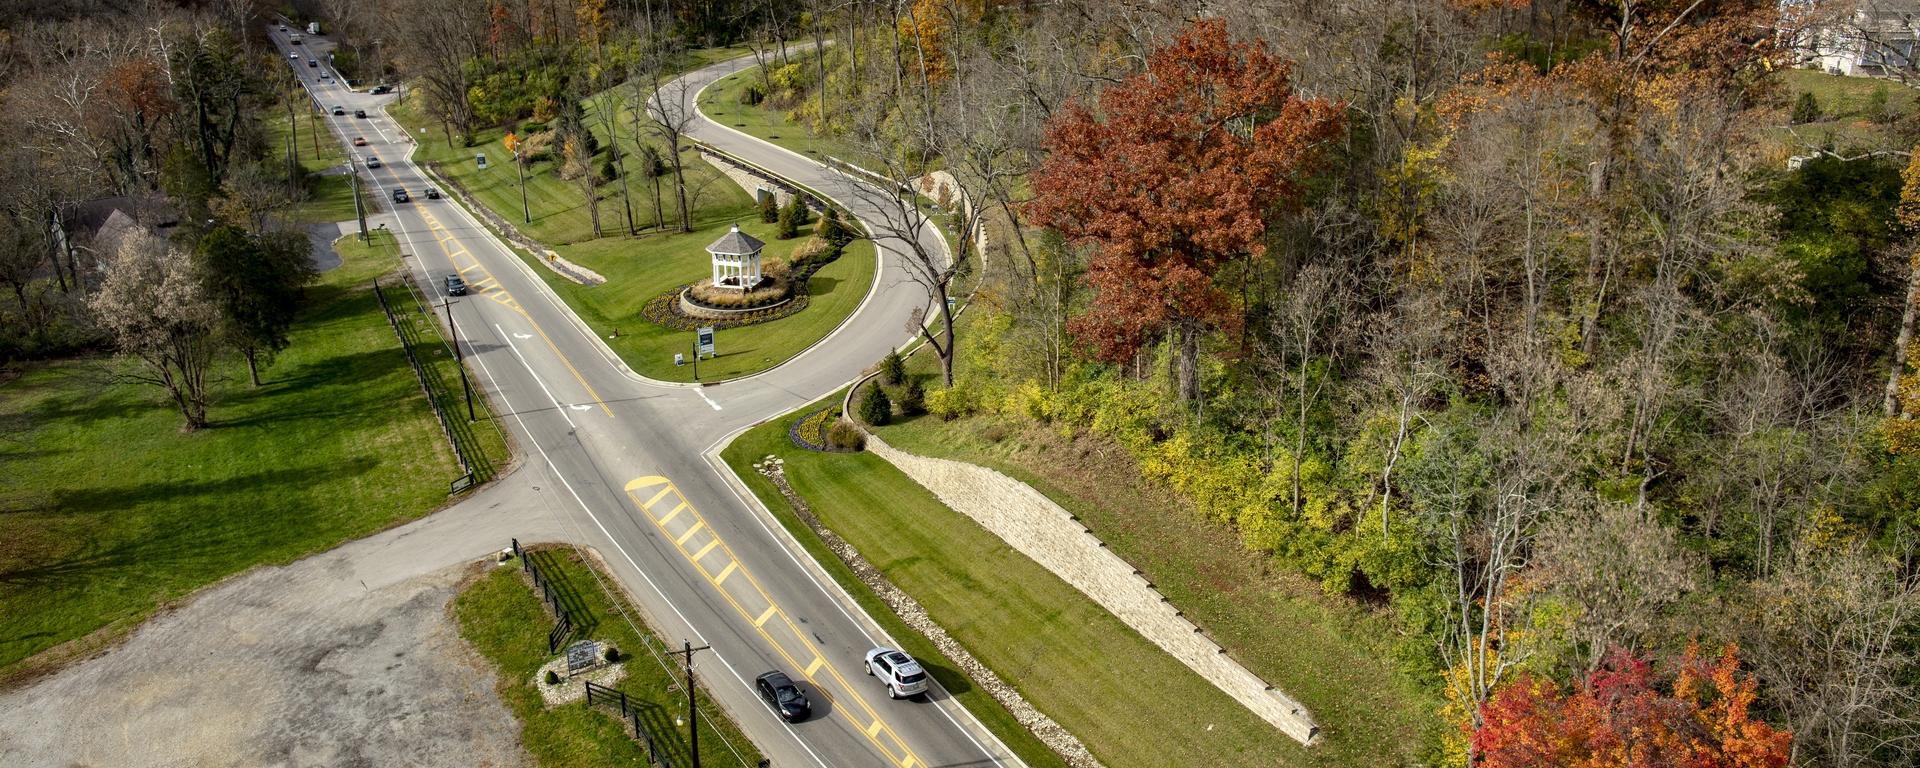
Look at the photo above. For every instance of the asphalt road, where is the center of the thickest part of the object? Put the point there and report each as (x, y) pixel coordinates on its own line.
(634, 457)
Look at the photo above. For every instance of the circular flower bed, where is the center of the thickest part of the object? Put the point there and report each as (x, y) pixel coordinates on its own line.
(665, 310)
(814, 432)
(772, 290)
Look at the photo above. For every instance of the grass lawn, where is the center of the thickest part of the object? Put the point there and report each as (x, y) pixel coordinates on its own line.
(1130, 702)
(1844, 123)
(1332, 654)
(721, 101)
(111, 511)
(559, 212)
(771, 438)
(504, 618)
(638, 270)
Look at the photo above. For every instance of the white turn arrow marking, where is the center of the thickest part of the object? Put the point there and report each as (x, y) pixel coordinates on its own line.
(523, 335)
(581, 407)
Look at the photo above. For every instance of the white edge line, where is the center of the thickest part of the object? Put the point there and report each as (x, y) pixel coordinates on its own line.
(808, 566)
(555, 468)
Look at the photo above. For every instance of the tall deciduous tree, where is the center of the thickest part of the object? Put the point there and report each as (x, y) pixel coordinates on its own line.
(159, 314)
(1174, 178)
(255, 283)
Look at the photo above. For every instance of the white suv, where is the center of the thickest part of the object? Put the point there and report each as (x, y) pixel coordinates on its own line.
(899, 672)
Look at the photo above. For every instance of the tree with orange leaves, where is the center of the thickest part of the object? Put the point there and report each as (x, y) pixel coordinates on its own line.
(1172, 179)
(1620, 717)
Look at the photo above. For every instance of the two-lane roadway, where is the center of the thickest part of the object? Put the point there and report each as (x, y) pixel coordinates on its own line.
(704, 563)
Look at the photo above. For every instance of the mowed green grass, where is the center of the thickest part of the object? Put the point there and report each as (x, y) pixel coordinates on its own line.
(1333, 655)
(1130, 702)
(110, 511)
(1844, 123)
(504, 618)
(721, 101)
(638, 270)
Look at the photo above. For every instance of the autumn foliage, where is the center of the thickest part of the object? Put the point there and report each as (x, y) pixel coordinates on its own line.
(1621, 716)
(1173, 177)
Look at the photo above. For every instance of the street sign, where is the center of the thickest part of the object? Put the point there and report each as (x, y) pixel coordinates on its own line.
(704, 346)
(480, 160)
(679, 359)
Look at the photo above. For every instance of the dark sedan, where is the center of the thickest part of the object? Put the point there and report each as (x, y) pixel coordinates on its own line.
(779, 692)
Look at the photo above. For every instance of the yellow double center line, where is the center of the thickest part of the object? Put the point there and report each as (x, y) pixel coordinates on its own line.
(676, 518)
(490, 287)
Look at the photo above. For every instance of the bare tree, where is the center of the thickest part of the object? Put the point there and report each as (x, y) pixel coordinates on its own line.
(1302, 342)
(1621, 568)
(668, 105)
(442, 35)
(158, 314)
(1833, 636)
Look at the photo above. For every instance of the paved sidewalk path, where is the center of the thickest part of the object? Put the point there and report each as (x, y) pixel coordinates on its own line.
(1038, 528)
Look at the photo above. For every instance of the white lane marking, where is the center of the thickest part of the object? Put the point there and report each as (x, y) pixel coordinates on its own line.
(536, 378)
(555, 468)
(787, 545)
(523, 335)
(701, 391)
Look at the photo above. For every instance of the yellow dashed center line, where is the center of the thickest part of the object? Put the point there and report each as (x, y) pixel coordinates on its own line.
(442, 237)
(792, 644)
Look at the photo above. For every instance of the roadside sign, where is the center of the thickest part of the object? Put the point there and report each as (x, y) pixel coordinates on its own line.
(679, 359)
(704, 346)
(481, 160)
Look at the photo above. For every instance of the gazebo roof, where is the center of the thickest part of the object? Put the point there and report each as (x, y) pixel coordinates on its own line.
(736, 243)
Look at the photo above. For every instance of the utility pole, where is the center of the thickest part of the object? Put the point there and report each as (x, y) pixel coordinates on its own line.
(526, 214)
(459, 358)
(359, 208)
(693, 725)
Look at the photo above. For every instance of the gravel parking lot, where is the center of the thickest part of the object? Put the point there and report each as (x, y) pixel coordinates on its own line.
(293, 666)
(345, 658)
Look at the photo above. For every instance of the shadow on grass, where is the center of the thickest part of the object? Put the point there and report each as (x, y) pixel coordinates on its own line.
(564, 591)
(110, 498)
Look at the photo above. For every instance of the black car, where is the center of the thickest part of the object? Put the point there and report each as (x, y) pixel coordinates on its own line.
(373, 162)
(399, 195)
(780, 693)
(360, 113)
(379, 89)
(456, 286)
(313, 62)
(433, 193)
(339, 110)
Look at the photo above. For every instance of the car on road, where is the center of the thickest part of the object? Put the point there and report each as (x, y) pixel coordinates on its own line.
(901, 675)
(373, 162)
(779, 692)
(360, 113)
(399, 195)
(313, 63)
(293, 40)
(339, 110)
(456, 286)
(378, 89)
(293, 54)
(359, 141)
(433, 193)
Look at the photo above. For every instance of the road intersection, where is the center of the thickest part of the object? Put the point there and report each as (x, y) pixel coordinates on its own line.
(637, 458)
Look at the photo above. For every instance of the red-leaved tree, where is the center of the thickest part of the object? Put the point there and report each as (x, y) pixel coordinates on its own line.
(1174, 178)
(1622, 717)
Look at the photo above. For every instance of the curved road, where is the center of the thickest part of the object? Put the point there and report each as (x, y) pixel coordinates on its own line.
(636, 458)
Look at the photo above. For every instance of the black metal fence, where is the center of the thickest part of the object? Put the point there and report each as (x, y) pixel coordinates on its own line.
(614, 698)
(459, 433)
(563, 621)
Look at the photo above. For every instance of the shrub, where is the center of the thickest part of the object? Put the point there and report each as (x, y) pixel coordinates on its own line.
(769, 210)
(553, 678)
(893, 367)
(531, 127)
(802, 209)
(753, 94)
(1806, 109)
(613, 654)
(836, 231)
(844, 436)
(811, 253)
(607, 171)
(950, 403)
(875, 408)
(787, 227)
(1879, 107)
(913, 398)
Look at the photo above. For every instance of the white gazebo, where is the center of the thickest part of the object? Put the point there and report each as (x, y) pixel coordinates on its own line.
(736, 260)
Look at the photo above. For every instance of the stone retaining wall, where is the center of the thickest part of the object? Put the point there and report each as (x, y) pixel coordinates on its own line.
(1036, 527)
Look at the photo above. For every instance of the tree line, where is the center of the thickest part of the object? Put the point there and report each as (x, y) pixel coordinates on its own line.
(1508, 317)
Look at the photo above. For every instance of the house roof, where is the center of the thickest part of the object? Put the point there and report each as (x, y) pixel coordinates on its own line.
(736, 243)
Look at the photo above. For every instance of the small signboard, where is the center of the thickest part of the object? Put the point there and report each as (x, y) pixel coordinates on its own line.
(679, 359)
(480, 160)
(704, 345)
(582, 655)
